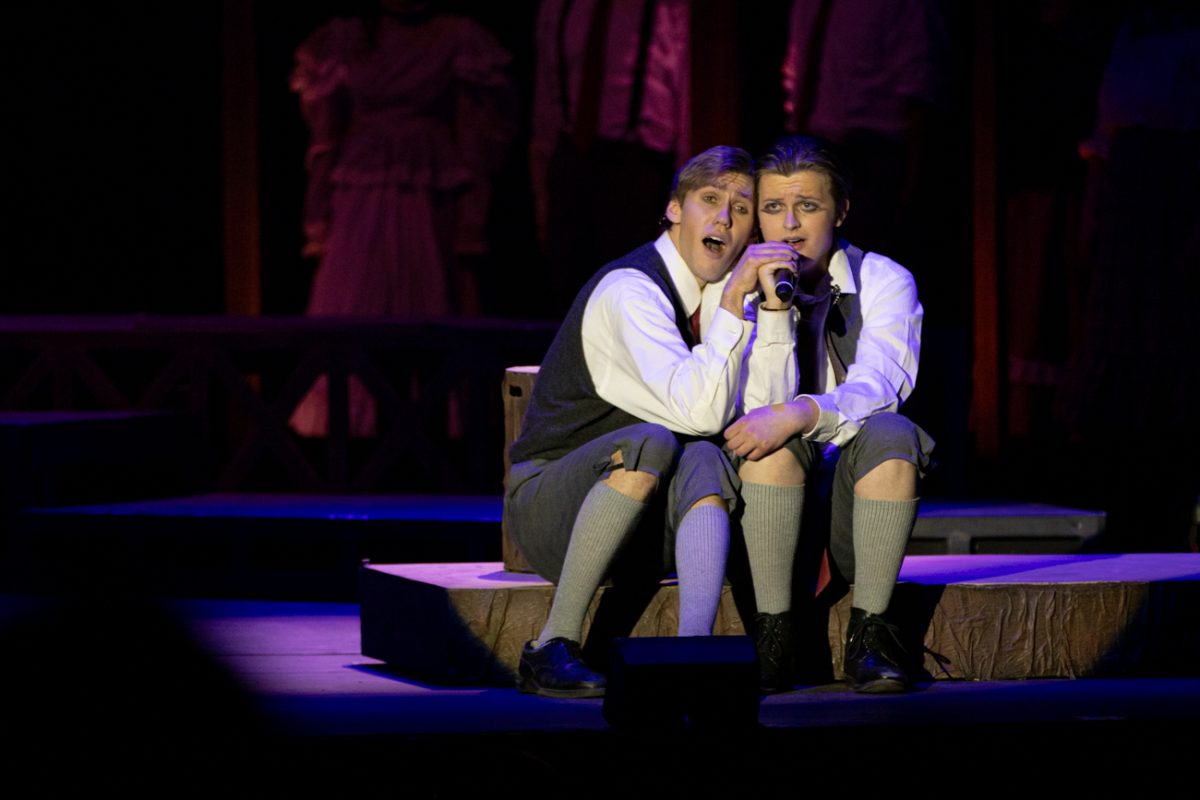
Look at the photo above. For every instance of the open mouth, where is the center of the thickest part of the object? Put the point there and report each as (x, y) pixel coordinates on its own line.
(794, 241)
(714, 244)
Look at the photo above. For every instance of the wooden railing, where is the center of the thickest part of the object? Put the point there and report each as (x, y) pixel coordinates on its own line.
(436, 385)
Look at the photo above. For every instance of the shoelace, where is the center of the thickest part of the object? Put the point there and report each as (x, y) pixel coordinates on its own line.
(770, 638)
(893, 630)
(940, 660)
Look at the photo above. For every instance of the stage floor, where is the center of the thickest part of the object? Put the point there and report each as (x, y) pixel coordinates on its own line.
(302, 662)
(315, 716)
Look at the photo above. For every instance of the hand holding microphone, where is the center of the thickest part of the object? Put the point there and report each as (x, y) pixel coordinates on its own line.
(785, 284)
(792, 279)
(808, 283)
(800, 282)
(756, 272)
(786, 278)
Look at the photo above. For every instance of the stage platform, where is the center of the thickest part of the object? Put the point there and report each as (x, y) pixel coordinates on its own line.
(259, 545)
(183, 698)
(73, 457)
(974, 617)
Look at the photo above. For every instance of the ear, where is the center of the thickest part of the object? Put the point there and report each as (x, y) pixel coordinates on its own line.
(842, 212)
(674, 212)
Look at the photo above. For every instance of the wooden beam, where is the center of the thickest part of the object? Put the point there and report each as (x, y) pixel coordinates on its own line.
(985, 394)
(239, 123)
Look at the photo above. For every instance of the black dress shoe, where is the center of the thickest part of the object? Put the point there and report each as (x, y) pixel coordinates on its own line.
(556, 669)
(773, 640)
(874, 660)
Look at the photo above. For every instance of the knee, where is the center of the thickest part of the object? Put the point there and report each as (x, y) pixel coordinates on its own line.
(704, 476)
(699, 456)
(890, 435)
(890, 427)
(886, 456)
(703, 461)
(780, 468)
(638, 486)
(894, 479)
(711, 500)
(644, 454)
(650, 447)
(893, 468)
(702, 468)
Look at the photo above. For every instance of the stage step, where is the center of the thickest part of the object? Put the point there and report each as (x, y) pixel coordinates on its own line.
(270, 546)
(982, 617)
(962, 527)
(69, 457)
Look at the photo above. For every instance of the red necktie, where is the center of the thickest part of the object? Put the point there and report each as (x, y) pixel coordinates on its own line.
(696, 326)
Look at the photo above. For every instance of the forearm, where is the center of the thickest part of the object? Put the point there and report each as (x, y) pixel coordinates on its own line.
(640, 364)
(770, 375)
(842, 412)
(696, 398)
(765, 430)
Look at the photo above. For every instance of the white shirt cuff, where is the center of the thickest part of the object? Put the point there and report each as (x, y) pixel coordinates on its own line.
(776, 327)
(727, 331)
(827, 419)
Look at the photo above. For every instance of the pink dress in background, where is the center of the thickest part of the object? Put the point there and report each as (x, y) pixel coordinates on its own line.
(403, 134)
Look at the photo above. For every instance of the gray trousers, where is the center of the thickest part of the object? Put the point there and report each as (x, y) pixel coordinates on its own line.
(831, 473)
(543, 497)
(882, 438)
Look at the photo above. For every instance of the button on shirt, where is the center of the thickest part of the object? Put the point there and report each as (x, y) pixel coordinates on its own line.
(640, 363)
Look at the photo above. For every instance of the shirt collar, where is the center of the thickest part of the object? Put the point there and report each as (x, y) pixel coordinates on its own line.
(839, 270)
(681, 275)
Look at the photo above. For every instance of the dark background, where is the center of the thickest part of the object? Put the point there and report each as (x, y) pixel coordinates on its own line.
(115, 163)
(114, 116)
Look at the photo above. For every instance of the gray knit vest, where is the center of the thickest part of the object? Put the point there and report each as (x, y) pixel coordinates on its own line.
(845, 319)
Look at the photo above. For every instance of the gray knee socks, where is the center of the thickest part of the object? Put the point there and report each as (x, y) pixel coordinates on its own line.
(771, 528)
(701, 550)
(881, 529)
(605, 521)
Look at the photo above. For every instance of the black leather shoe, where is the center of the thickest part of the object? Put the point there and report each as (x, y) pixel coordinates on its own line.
(556, 669)
(773, 640)
(874, 656)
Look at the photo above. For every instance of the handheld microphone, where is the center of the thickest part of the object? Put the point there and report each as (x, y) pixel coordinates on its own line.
(785, 284)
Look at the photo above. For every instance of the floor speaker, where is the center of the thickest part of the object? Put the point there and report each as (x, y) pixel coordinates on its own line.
(700, 681)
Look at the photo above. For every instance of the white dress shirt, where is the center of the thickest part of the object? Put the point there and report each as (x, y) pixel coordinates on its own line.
(640, 364)
(885, 363)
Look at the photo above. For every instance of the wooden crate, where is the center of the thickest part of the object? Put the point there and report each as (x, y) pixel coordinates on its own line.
(518, 388)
